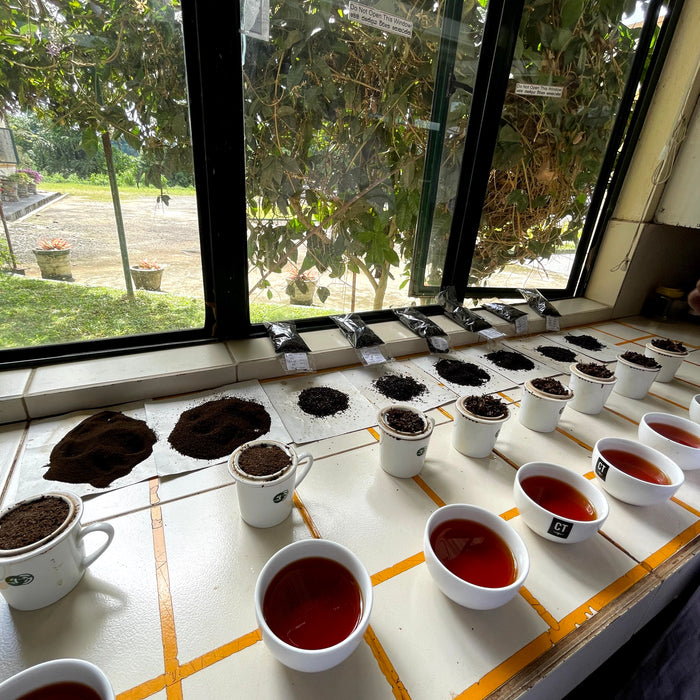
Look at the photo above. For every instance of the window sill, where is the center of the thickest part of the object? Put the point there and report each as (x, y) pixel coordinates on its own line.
(56, 389)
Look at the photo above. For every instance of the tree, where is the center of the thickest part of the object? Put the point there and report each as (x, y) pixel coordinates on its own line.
(336, 117)
(114, 69)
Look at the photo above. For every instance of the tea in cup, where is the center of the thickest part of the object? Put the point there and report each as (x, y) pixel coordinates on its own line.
(38, 567)
(266, 473)
(404, 434)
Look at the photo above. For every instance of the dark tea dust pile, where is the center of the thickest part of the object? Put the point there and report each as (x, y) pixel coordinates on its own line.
(30, 522)
(101, 449)
(216, 428)
(485, 406)
(399, 387)
(556, 352)
(507, 359)
(263, 460)
(636, 358)
(550, 386)
(323, 401)
(404, 421)
(462, 373)
(587, 342)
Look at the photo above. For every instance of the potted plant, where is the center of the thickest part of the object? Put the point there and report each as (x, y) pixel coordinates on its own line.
(32, 178)
(147, 274)
(54, 258)
(301, 285)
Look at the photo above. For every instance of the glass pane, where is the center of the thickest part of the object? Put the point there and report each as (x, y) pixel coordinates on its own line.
(337, 103)
(94, 92)
(571, 62)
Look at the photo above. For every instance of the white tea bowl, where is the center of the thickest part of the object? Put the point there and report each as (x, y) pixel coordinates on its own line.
(685, 456)
(313, 660)
(462, 592)
(630, 489)
(694, 408)
(57, 671)
(553, 526)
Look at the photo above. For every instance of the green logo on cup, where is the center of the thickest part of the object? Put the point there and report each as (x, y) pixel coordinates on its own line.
(278, 498)
(421, 451)
(19, 580)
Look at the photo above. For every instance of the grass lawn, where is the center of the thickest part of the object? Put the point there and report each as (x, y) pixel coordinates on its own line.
(40, 312)
(102, 193)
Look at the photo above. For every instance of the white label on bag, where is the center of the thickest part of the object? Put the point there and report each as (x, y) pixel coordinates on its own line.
(491, 333)
(521, 325)
(297, 361)
(552, 323)
(372, 355)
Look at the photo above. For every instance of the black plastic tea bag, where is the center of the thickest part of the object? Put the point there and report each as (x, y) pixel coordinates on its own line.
(422, 326)
(356, 331)
(461, 316)
(294, 353)
(508, 313)
(538, 302)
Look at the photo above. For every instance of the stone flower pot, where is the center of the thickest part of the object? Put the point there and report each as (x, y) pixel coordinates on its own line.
(54, 264)
(301, 292)
(148, 279)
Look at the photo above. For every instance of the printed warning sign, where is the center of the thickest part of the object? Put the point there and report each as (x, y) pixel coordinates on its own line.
(372, 17)
(539, 90)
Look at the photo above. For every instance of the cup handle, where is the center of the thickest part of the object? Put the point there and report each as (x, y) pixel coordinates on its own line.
(302, 471)
(96, 527)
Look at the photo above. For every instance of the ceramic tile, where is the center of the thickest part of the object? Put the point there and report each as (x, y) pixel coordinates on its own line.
(687, 333)
(11, 436)
(57, 389)
(619, 331)
(643, 530)
(590, 428)
(262, 676)
(564, 577)
(438, 648)
(521, 445)
(12, 386)
(454, 478)
(351, 499)
(214, 559)
(634, 409)
(181, 485)
(689, 492)
(111, 618)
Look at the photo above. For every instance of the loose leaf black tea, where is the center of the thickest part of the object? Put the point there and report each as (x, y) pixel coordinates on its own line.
(669, 345)
(399, 387)
(485, 406)
(323, 401)
(556, 352)
(463, 373)
(507, 359)
(216, 428)
(587, 342)
(593, 369)
(550, 386)
(101, 449)
(637, 358)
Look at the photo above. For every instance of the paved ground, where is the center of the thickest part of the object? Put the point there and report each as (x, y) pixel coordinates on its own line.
(170, 236)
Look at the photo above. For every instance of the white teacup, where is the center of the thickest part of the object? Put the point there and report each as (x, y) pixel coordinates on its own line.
(590, 393)
(539, 410)
(57, 671)
(37, 575)
(669, 361)
(694, 408)
(266, 501)
(473, 435)
(402, 454)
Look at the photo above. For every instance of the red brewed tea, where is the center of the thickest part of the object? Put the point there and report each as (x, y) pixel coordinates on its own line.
(474, 552)
(313, 603)
(636, 466)
(684, 437)
(62, 691)
(558, 497)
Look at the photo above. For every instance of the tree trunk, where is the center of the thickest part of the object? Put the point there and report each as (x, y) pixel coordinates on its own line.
(109, 159)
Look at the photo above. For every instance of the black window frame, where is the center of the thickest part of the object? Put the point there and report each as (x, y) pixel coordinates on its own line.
(213, 53)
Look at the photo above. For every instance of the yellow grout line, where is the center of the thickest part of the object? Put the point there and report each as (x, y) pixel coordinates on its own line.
(385, 666)
(431, 494)
(140, 692)
(397, 569)
(165, 601)
(222, 652)
(306, 516)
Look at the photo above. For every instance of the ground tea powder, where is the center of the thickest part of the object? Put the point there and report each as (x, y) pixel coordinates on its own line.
(556, 352)
(30, 522)
(462, 373)
(399, 387)
(323, 401)
(101, 449)
(507, 359)
(216, 428)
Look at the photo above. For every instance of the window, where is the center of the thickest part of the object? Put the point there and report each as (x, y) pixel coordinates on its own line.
(363, 153)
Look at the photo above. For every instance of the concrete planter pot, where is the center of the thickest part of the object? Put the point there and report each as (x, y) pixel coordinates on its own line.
(148, 279)
(54, 264)
(301, 292)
